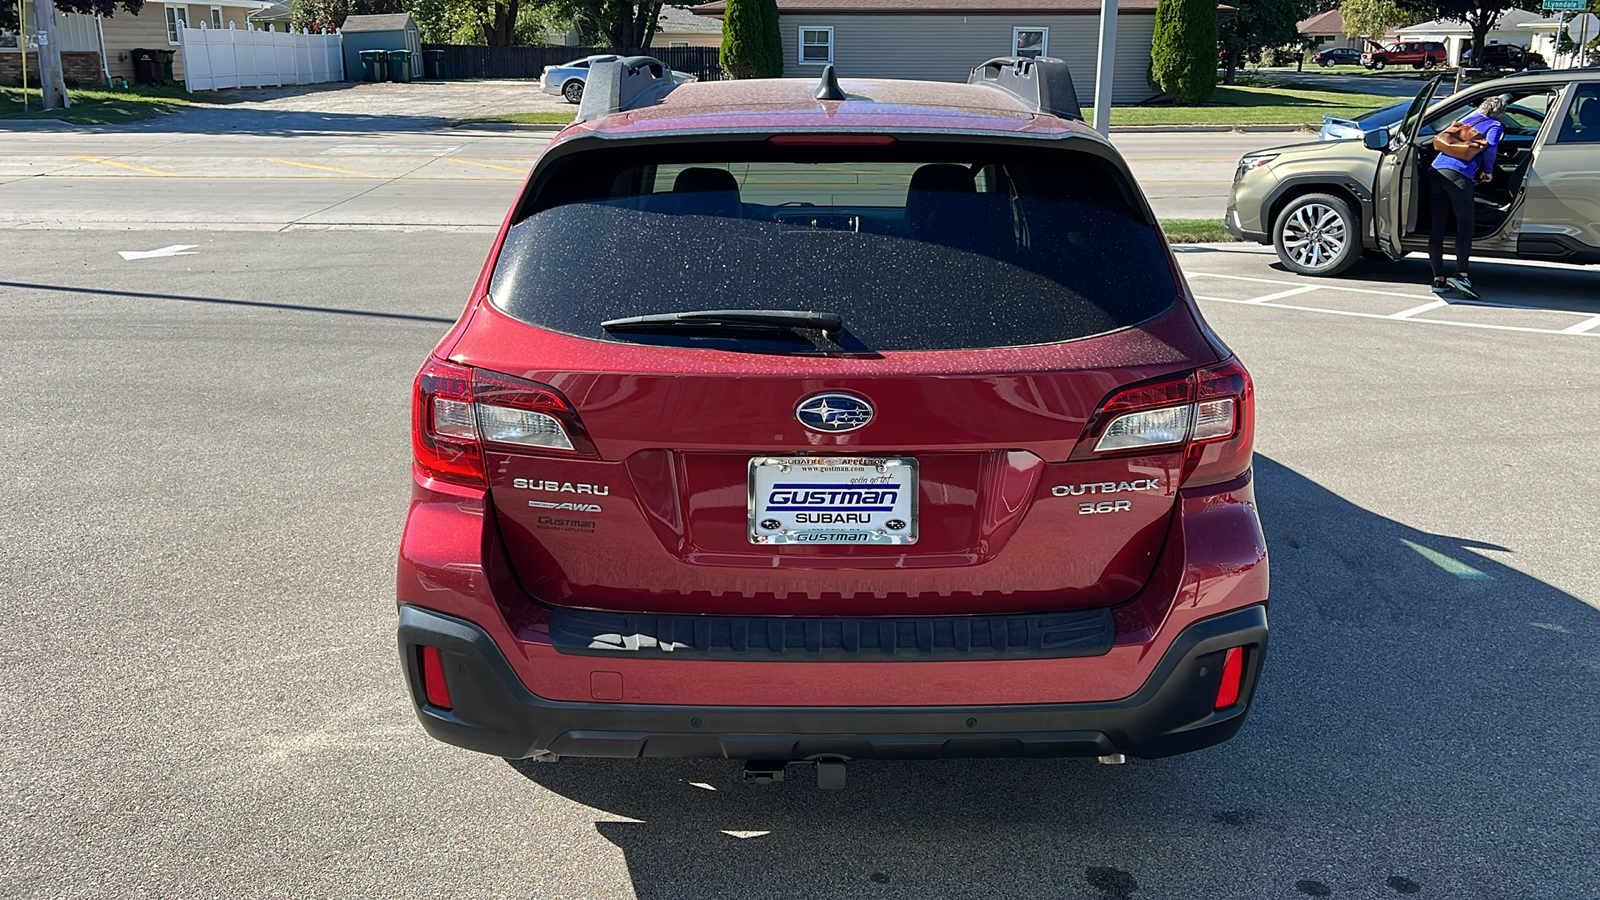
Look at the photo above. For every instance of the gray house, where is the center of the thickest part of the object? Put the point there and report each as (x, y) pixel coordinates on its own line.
(395, 31)
(941, 40)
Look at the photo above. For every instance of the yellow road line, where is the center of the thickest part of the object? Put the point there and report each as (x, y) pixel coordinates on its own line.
(290, 162)
(107, 162)
(471, 162)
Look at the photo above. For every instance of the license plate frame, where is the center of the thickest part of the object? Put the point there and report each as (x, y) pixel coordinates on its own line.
(767, 476)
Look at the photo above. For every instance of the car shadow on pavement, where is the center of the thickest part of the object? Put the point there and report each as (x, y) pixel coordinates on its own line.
(1425, 722)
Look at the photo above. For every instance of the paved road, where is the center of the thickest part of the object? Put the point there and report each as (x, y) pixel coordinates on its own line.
(207, 464)
(1405, 83)
(428, 177)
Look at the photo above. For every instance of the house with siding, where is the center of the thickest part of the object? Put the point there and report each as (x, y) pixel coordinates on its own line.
(94, 49)
(941, 40)
(678, 27)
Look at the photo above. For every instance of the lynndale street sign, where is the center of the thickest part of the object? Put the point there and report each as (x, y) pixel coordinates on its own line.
(1571, 5)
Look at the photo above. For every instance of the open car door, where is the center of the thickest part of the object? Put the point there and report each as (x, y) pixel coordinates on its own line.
(1396, 191)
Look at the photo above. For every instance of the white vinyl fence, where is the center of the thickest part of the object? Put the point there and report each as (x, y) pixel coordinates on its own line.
(227, 57)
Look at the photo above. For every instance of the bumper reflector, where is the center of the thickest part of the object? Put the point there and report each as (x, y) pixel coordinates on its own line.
(433, 686)
(1232, 675)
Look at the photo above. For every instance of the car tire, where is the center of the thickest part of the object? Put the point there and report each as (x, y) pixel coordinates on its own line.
(1324, 63)
(572, 91)
(1378, 64)
(1429, 63)
(1317, 235)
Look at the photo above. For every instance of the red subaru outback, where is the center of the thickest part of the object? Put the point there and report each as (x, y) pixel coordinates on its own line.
(816, 422)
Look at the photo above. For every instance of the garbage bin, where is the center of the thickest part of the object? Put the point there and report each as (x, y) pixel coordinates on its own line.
(146, 67)
(433, 64)
(373, 65)
(166, 65)
(399, 65)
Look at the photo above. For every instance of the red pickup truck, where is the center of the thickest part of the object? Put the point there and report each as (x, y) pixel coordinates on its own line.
(1417, 54)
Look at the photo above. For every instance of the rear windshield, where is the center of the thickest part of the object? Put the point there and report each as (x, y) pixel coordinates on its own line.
(973, 247)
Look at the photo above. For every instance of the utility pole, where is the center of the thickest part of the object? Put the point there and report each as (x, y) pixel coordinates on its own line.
(52, 84)
(1108, 65)
(22, 50)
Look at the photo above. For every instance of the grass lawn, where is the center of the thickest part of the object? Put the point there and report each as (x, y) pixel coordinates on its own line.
(1195, 231)
(1255, 105)
(96, 106)
(526, 118)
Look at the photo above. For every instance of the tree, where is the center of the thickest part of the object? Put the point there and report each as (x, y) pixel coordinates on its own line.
(105, 8)
(1259, 24)
(316, 15)
(1372, 18)
(1480, 15)
(752, 46)
(624, 24)
(1183, 52)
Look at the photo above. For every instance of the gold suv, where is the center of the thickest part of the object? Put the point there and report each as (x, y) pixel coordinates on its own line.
(1324, 205)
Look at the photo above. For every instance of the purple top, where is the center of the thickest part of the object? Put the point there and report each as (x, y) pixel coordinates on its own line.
(1483, 162)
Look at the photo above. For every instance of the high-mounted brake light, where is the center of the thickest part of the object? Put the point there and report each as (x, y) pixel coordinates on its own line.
(1207, 411)
(458, 411)
(831, 140)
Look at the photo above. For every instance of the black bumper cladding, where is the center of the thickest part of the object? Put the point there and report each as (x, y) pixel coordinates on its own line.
(493, 712)
(785, 639)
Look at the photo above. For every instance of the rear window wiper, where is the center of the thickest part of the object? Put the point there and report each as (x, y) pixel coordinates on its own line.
(731, 320)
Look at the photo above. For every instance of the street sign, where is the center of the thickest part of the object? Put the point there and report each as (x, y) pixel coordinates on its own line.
(1572, 5)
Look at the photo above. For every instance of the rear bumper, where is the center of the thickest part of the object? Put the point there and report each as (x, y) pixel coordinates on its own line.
(493, 712)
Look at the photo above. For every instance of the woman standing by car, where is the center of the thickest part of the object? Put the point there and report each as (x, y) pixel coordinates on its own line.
(1466, 156)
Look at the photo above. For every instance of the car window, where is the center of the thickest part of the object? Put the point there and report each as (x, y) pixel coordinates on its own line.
(1524, 115)
(1581, 124)
(921, 249)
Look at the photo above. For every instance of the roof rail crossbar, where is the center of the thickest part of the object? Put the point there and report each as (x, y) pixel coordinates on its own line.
(618, 84)
(1043, 83)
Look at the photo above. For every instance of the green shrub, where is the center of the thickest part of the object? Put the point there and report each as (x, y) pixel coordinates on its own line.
(752, 46)
(1183, 53)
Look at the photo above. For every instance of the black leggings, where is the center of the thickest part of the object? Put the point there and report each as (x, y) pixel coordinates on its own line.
(1448, 197)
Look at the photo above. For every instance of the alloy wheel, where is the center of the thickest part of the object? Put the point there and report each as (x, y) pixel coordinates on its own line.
(1315, 235)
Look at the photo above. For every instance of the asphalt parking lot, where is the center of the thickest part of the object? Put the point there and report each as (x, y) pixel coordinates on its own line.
(207, 465)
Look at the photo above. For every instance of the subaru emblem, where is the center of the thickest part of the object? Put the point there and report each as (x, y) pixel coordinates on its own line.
(833, 412)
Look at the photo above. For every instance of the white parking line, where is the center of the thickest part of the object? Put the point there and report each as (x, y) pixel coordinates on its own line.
(1417, 310)
(1388, 318)
(1338, 287)
(1583, 326)
(1282, 294)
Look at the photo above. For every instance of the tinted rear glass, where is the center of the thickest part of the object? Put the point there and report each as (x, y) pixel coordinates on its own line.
(916, 249)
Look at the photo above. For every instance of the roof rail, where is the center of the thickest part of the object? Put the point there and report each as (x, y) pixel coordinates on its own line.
(1043, 83)
(618, 84)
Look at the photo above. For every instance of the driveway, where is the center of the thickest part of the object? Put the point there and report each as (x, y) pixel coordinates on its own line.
(355, 106)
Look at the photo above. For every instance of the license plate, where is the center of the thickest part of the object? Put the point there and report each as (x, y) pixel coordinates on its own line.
(833, 500)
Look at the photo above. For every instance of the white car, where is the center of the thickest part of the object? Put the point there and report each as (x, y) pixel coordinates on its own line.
(567, 80)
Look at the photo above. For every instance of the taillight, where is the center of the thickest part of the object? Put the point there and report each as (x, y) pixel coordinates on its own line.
(527, 415)
(444, 437)
(433, 683)
(457, 411)
(1208, 411)
(1224, 429)
(1232, 678)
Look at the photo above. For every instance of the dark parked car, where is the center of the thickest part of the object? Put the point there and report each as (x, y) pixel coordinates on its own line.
(806, 422)
(1337, 56)
(1511, 56)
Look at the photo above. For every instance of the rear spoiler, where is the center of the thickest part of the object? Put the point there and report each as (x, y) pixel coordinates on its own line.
(1041, 83)
(618, 84)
